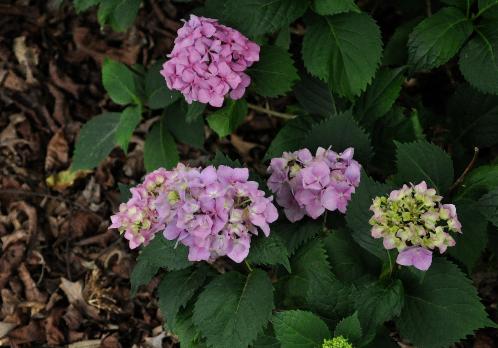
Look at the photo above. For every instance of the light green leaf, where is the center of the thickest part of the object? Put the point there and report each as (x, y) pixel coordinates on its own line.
(274, 74)
(420, 161)
(438, 38)
(124, 14)
(349, 328)
(225, 121)
(315, 96)
(380, 96)
(234, 308)
(177, 288)
(340, 132)
(160, 148)
(479, 181)
(332, 7)
(191, 133)
(257, 17)
(83, 5)
(105, 11)
(96, 140)
(488, 205)
(129, 120)
(479, 58)
(120, 83)
(344, 50)
(300, 329)
(269, 251)
(443, 293)
(158, 94)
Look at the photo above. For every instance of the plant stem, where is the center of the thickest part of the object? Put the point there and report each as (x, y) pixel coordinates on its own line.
(466, 171)
(248, 266)
(271, 112)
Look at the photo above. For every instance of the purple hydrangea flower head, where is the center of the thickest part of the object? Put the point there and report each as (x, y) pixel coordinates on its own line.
(208, 62)
(413, 221)
(214, 212)
(308, 185)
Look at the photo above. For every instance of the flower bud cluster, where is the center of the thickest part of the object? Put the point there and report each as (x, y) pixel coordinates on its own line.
(214, 212)
(308, 185)
(208, 61)
(413, 220)
(337, 342)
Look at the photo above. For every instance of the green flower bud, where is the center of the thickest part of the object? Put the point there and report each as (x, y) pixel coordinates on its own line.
(337, 342)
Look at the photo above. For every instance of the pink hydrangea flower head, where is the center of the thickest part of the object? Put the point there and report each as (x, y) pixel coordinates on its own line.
(208, 62)
(214, 212)
(308, 185)
(413, 221)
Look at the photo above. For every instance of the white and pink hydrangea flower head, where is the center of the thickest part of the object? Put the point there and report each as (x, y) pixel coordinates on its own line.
(208, 62)
(308, 185)
(214, 212)
(413, 221)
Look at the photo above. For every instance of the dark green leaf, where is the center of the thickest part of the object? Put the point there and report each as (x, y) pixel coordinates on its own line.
(96, 140)
(269, 251)
(488, 205)
(120, 83)
(332, 7)
(441, 309)
(194, 111)
(300, 329)
(124, 192)
(234, 308)
(158, 94)
(83, 5)
(274, 74)
(129, 120)
(164, 253)
(160, 148)
(315, 96)
(479, 181)
(225, 121)
(438, 38)
(488, 8)
(349, 328)
(296, 234)
(191, 133)
(142, 274)
(124, 14)
(344, 50)
(221, 159)
(396, 50)
(283, 38)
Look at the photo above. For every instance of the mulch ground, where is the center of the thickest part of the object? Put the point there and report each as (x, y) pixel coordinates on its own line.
(64, 277)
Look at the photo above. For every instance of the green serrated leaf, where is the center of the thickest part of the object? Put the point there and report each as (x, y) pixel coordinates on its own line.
(358, 215)
(332, 7)
(274, 74)
(340, 132)
(349, 328)
(105, 11)
(257, 17)
(488, 9)
(474, 117)
(488, 205)
(234, 308)
(164, 253)
(221, 159)
(158, 94)
(419, 161)
(283, 38)
(120, 83)
(96, 140)
(296, 234)
(194, 111)
(187, 332)
(265, 340)
(177, 288)
(269, 251)
(142, 274)
(225, 121)
(479, 58)
(191, 133)
(344, 50)
(478, 182)
(380, 96)
(300, 329)
(443, 293)
(396, 50)
(438, 38)
(315, 96)
(160, 148)
(129, 120)
(464, 5)
(124, 14)
(83, 5)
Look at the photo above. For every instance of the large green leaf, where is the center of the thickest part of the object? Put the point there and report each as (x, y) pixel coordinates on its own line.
(438, 38)
(124, 14)
(296, 234)
(344, 50)
(191, 133)
(160, 148)
(225, 121)
(129, 120)
(332, 7)
(274, 74)
(96, 140)
(256, 17)
(142, 274)
(488, 205)
(269, 251)
(440, 309)
(315, 96)
(177, 288)
(464, 5)
(420, 161)
(479, 181)
(82, 5)
(300, 329)
(340, 132)
(479, 58)
(120, 83)
(349, 328)
(488, 8)
(158, 94)
(379, 97)
(234, 308)
(164, 253)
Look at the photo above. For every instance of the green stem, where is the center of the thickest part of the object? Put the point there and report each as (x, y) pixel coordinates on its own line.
(248, 265)
(271, 112)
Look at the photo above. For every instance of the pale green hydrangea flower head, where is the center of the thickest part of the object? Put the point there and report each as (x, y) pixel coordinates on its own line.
(337, 342)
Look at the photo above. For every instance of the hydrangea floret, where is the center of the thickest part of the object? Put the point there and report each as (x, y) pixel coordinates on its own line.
(308, 185)
(337, 342)
(208, 62)
(415, 222)
(214, 212)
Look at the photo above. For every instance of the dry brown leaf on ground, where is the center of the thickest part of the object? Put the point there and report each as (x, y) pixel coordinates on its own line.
(85, 344)
(27, 57)
(63, 81)
(57, 152)
(74, 294)
(30, 289)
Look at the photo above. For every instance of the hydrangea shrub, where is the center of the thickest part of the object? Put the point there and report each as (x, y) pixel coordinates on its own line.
(377, 203)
